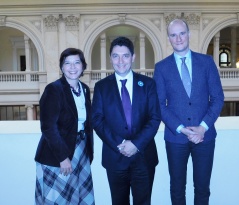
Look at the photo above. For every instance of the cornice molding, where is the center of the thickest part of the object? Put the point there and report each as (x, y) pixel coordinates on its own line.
(152, 8)
(93, 2)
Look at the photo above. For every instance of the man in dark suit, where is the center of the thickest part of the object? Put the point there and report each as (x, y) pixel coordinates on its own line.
(189, 111)
(129, 151)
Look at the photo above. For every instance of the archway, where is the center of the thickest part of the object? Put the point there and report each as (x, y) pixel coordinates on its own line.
(215, 27)
(147, 27)
(31, 32)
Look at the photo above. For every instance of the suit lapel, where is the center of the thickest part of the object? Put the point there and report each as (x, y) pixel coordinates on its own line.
(176, 75)
(87, 102)
(137, 94)
(70, 103)
(116, 94)
(136, 91)
(195, 72)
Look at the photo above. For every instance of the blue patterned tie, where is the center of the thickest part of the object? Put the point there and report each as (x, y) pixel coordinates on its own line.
(186, 77)
(126, 103)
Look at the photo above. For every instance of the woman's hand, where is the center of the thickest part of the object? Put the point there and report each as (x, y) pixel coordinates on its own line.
(65, 167)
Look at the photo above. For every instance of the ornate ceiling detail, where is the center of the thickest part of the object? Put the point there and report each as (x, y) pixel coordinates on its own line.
(169, 17)
(193, 20)
(72, 23)
(51, 23)
(122, 18)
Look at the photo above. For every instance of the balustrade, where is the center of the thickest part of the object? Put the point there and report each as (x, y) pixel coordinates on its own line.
(94, 75)
(229, 73)
(19, 76)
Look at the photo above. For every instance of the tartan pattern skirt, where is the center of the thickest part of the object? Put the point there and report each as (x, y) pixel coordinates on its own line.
(53, 188)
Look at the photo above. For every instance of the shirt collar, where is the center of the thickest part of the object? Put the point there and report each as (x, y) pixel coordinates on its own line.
(129, 76)
(178, 57)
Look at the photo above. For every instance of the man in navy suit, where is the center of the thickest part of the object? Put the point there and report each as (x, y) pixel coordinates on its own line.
(129, 151)
(189, 113)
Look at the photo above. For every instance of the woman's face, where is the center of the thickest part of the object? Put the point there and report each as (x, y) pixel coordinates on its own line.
(72, 67)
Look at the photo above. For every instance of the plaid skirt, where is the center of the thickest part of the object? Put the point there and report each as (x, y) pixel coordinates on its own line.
(53, 188)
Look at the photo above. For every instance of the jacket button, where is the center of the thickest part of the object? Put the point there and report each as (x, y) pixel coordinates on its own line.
(189, 118)
(190, 103)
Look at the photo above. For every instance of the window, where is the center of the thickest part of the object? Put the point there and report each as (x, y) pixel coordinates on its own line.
(224, 57)
(17, 112)
(230, 109)
(23, 63)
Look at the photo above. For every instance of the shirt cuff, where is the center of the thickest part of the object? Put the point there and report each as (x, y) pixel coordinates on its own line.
(179, 128)
(204, 125)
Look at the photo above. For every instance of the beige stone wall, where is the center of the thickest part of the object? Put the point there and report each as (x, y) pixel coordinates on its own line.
(52, 26)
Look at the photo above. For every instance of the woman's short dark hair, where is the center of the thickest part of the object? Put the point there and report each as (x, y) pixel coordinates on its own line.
(73, 51)
(122, 41)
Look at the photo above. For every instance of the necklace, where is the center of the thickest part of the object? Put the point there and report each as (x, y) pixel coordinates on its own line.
(77, 93)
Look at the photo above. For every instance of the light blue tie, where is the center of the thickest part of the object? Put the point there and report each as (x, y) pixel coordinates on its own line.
(186, 77)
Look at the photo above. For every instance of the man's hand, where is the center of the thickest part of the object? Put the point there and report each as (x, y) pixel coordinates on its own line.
(200, 131)
(127, 148)
(194, 134)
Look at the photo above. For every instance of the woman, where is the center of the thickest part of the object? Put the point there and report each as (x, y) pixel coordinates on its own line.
(65, 150)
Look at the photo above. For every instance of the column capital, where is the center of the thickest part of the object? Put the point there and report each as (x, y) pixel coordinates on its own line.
(26, 38)
(51, 22)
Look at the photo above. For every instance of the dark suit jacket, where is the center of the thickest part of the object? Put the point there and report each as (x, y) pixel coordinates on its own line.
(204, 104)
(59, 122)
(110, 124)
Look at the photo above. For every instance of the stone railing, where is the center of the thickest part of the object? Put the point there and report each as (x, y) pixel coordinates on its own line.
(229, 73)
(26, 83)
(90, 77)
(19, 76)
(95, 75)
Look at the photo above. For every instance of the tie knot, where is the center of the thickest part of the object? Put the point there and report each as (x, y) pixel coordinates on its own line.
(123, 82)
(183, 59)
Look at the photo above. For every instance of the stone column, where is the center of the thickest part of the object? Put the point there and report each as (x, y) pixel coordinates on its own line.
(27, 53)
(216, 41)
(14, 57)
(103, 53)
(29, 109)
(233, 46)
(142, 50)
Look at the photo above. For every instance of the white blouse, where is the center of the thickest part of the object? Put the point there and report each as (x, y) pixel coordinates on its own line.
(81, 110)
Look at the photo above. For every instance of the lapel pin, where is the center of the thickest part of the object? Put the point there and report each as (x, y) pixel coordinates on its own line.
(140, 83)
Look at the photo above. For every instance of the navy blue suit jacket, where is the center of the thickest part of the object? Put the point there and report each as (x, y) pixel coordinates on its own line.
(204, 104)
(110, 124)
(59, 123)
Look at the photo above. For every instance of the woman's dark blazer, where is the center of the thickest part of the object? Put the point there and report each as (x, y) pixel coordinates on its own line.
(59, 122)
